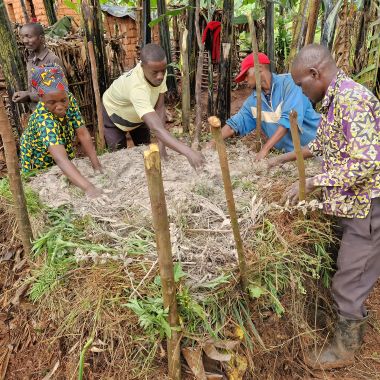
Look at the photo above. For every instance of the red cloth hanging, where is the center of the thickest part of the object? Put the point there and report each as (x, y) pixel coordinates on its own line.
(211, 39)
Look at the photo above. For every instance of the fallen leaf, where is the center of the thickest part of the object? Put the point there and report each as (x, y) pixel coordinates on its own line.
(193, 358)
(214, 354)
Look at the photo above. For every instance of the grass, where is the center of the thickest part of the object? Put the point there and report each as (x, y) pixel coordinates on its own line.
(33, 202)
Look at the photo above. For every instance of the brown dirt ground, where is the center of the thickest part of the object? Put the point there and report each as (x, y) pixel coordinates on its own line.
(24, 353)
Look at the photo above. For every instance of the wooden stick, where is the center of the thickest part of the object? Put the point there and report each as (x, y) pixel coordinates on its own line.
(87, 13)
(217, 134)
(15, 183)
(164, 249)
(255, 50)
(185, 78)
(299, 155)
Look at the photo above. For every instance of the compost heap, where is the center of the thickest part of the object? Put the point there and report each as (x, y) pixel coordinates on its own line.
(106, 289)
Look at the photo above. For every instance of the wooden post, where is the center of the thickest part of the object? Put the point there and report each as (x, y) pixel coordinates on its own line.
(185, 79)
(192, 45)
(88, 21)
(210, 103)
(15, 183)
(312, 21)
(164, 250)
(299, 155)
(255, 50)
(198, 81)
(221, 148)
(224, 89)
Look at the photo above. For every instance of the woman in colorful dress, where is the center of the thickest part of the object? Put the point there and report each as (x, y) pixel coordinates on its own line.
(52, 127)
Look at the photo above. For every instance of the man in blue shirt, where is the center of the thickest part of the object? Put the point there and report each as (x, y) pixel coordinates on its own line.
(280, 95)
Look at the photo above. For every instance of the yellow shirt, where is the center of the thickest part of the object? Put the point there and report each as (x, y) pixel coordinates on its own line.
(130, 97)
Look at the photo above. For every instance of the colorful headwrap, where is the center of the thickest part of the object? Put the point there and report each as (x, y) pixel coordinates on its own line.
(47, 78)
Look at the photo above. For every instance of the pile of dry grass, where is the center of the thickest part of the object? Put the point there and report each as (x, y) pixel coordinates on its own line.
(95, 275)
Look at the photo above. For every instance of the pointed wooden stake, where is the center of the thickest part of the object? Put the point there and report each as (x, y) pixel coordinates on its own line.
(217, 134)
(15, 183)
(164, 249)
(299, 155)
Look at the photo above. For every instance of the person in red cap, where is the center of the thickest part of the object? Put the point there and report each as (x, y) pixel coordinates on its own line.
(280, 95)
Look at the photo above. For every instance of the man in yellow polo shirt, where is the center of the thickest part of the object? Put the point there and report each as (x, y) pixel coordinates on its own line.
(135, 103)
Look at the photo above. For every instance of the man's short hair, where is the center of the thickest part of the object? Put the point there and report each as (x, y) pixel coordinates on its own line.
(36, 27)
(152, 53)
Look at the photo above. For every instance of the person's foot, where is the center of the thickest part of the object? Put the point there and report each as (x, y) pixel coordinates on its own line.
(340, 352)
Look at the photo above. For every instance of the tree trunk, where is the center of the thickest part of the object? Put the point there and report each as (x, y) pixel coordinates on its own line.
(93, 26)
(24, 11)
(363, 29)
(312, 21)
(11, 64)
(185, 80)
(146, 18)
(210, 102)
(50, 11)
(192, 46)
(165, 259)
(297, 35)
(224, 88)
(165, 43)
(269, 32)
(198, 81)
(15, 183)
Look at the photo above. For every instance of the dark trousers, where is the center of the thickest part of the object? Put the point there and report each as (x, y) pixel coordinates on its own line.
(117, 139)
(358, 263)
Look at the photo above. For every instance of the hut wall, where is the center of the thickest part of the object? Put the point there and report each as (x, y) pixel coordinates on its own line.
(35, 8)
(63, 10)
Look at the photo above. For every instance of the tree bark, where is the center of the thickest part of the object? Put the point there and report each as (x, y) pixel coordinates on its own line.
(192, 46)
(185, 79)
(165, 43)
(15, 183)
(224, 88)
(198, 80)
(146, 18)
(269, 32)
(312, 21)
(50, 11)
(93, 26)
(25, 12)
(90, 26)
(11, 64)
(165, 259)
(223, 160)
(297, 35)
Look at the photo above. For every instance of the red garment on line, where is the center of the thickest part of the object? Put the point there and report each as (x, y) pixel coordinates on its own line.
(211, 38)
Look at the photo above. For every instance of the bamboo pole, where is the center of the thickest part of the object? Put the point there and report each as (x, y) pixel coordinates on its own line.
(185, 80)
(89, 27)
(299, 155)
(15, 183)
(255, 50)
(221, 148)
(164, 250)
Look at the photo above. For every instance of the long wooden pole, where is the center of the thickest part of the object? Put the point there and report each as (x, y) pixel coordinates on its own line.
(299, 155)
(89, 27)
(185, 80)
(223, 160)
(164, 249)
(15, 183)
(255, 50)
